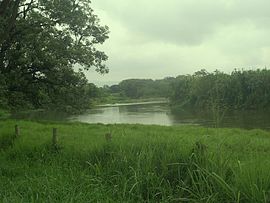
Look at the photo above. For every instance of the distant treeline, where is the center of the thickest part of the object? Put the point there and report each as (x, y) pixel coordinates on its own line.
(238, 90)
(143, 88)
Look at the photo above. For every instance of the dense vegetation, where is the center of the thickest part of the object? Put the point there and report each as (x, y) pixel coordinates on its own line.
(238, 90)
(40, 44)
(199, 164)
(203, 90)
(143, 88)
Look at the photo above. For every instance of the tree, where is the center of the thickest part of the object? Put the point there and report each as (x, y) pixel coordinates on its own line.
(220, 91)
(42, 39)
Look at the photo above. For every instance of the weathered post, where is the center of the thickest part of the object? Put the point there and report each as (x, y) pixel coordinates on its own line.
(108, 137)
(54, 137)
(17, 131)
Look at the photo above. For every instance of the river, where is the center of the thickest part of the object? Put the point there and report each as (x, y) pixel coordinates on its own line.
(156, 113)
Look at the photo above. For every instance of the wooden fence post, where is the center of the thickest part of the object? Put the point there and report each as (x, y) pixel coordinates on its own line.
(17, 131)
(108, 137)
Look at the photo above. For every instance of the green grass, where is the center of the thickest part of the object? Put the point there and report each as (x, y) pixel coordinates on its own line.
(140, 164)
(4, 114)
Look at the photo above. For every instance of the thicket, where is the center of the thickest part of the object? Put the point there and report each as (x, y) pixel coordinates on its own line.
(238, 90)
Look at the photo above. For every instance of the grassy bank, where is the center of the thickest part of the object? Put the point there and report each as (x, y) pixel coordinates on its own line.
(140, 164)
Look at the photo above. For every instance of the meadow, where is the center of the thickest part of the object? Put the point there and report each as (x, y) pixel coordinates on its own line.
(138, 164)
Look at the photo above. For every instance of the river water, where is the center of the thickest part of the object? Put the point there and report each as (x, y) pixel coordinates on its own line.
(157, 113)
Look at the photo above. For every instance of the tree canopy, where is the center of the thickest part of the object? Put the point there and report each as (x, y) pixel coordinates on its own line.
(204, 90)
(238, 90)
(40, 43)
(143, 88)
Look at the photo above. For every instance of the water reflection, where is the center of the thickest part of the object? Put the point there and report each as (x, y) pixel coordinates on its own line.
(236, 119)
(143, 114)
(161, 114)
(155, 113)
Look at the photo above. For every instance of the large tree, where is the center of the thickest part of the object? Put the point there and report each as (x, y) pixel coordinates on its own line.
(40, 40)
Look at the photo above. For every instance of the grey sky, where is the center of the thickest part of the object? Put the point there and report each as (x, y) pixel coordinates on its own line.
(159, 38)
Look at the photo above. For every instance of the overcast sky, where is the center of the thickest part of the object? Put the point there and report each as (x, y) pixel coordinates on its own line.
(159, 38)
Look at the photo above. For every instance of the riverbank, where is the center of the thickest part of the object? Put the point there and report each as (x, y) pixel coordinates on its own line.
(112, 100)
(134, 103)
(140, 163)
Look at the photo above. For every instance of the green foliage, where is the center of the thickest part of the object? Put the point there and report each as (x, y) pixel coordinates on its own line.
(43, 42)
(143, 88)
(3, 91)
(140, 164)
(215, 91)
(238, 90)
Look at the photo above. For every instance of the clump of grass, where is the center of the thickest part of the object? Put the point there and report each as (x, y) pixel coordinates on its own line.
(138, 164)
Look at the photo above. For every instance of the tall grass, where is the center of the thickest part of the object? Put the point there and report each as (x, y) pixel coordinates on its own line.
(140, 164)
